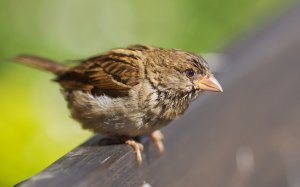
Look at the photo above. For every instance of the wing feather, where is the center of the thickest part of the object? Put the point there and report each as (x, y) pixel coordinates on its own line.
(113, 73)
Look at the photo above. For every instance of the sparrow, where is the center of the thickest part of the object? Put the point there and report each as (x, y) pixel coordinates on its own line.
(129, 92)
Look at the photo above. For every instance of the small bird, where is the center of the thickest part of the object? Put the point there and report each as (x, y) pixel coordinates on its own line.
(129, 92)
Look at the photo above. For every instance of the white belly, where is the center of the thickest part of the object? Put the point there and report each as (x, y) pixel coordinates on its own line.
(113, 116)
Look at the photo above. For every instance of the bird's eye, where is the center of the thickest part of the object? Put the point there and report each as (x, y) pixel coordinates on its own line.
(190, 72)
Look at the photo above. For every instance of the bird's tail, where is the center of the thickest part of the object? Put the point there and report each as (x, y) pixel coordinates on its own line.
(42, 63)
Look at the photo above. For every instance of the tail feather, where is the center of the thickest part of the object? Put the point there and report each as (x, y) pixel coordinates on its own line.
(42, 63)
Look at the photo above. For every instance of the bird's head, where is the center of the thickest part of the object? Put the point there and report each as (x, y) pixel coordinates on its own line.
(180, 72)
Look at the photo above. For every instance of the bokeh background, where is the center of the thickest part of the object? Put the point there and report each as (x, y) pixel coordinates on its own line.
(35, 128)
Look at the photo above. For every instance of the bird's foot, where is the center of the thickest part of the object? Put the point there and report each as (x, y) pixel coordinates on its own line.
(157, 138)
(138, 148)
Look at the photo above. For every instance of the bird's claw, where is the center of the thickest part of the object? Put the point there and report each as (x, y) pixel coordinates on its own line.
(138, 148)
(157, 138)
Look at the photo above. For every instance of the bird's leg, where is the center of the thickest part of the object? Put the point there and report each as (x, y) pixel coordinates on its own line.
(137, 147)
(157, 138)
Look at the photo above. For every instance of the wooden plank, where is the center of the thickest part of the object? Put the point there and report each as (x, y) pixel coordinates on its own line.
(247, 136)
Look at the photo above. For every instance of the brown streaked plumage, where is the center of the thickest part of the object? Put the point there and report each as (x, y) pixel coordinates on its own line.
(128, 92)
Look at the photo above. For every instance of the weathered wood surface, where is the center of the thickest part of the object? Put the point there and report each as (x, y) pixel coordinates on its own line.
(247, 136)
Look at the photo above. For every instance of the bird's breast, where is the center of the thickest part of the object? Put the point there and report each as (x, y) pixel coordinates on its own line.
(113, 116)
(142, 112)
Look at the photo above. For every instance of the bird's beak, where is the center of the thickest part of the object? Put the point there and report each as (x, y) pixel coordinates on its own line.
(209, 83)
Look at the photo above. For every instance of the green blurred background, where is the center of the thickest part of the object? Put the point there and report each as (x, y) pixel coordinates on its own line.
(34, 122)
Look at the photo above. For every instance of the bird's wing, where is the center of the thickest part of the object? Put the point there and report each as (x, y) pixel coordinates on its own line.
(113, 73)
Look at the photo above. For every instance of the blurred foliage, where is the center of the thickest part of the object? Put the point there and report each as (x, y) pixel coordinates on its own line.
(34, 122)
